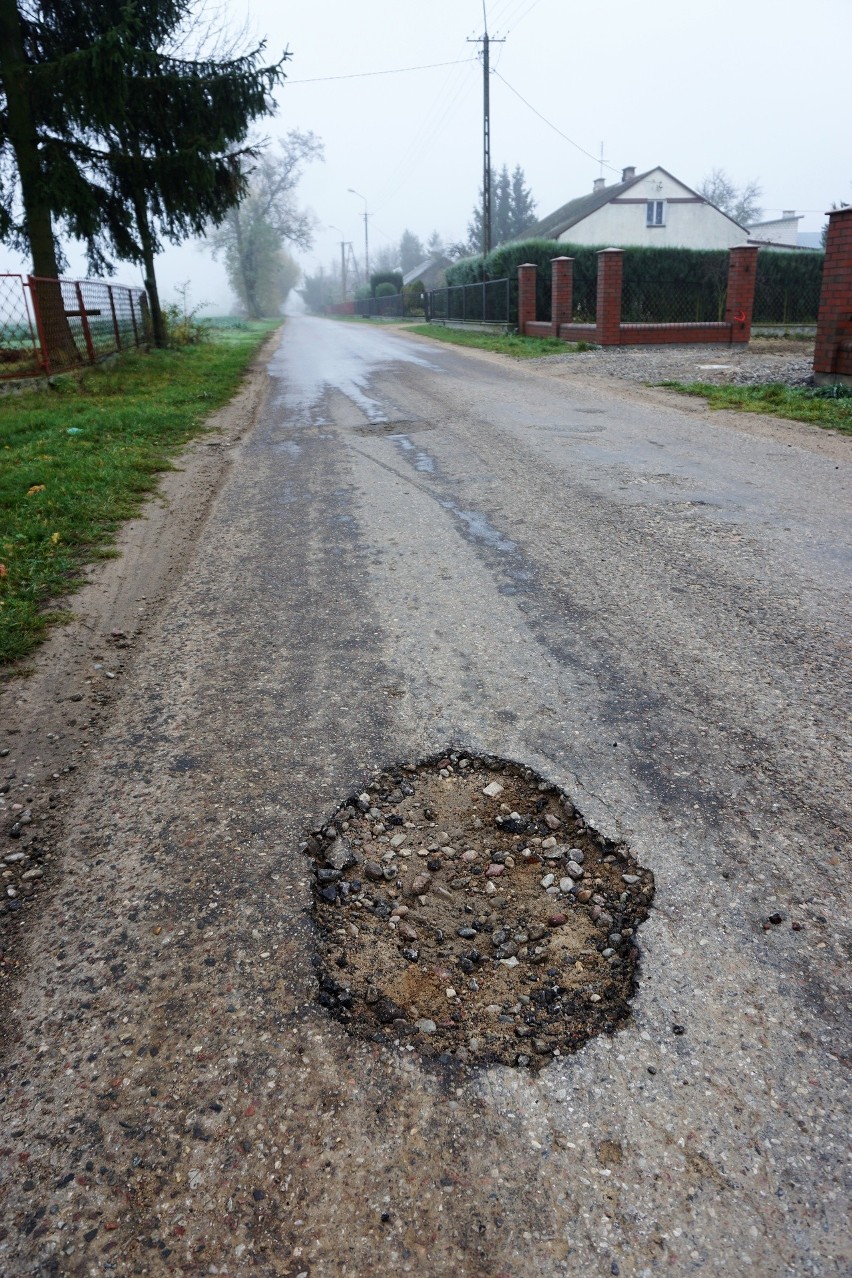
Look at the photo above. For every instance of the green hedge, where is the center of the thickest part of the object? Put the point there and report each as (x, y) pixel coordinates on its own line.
(788, 287)
(659, 283)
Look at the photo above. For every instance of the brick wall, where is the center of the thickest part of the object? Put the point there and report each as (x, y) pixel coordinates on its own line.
(526, 295)
(833, 351)
(561, 292)
(608, 329)
(608, 315)
(739, 307)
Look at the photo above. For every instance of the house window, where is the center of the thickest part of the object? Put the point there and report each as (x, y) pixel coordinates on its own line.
(655, 213)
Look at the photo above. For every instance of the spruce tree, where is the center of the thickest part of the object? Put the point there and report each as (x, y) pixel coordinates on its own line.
(512, 210)
(523, 205)
(113, 136)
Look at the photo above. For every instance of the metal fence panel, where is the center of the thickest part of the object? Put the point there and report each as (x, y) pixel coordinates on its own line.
(49, 325)
(489, 302)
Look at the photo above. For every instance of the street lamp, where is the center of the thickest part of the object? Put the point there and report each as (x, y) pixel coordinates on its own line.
(366, 239)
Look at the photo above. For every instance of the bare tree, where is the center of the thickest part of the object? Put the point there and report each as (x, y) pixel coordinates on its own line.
(255, 231)
(740, 203)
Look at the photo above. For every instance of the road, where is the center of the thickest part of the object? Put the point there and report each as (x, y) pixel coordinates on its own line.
(416, 550)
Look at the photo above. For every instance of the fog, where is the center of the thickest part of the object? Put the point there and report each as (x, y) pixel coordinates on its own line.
(754, 89)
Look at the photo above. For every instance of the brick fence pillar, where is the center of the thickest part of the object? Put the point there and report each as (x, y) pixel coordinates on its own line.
(561, 292)
(742, 274)
(527, 276)
(833, 352)
(610, 273)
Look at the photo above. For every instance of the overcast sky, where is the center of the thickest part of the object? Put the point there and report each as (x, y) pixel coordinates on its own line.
(759, 89)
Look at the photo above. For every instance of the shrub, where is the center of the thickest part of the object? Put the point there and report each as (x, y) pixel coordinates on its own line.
(386, 290)
(386, 277)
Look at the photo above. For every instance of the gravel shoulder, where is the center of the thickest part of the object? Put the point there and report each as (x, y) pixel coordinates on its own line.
(54, 705)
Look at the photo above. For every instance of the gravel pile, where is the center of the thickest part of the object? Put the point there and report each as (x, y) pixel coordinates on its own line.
(714, 364)
(466, 909)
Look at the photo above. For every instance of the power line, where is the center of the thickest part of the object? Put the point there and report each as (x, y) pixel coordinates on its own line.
(431, 126)
(362, 75)
(550, 125)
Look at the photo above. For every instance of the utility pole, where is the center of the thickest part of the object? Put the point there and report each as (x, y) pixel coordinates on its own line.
(343, 256)
(352, 191)
(486, 41)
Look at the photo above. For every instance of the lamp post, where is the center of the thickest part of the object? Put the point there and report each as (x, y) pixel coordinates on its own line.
(366, 237)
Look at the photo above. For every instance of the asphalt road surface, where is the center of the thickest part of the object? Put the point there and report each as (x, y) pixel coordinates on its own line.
(417, 550)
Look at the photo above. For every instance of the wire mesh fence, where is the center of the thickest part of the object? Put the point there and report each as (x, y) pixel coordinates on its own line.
(49, 325)
(18, 344)
(672, 302)
(783, 304)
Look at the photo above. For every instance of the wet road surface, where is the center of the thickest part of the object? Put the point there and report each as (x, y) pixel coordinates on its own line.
(419, 549)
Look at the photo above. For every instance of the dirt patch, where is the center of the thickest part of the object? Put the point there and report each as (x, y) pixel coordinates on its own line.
(50, 719)
(465, 908)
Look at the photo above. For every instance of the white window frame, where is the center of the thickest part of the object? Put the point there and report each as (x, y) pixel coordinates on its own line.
(655, 213)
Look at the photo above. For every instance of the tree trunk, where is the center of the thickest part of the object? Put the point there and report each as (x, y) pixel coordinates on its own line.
(60, 349)
(146, 242)
(247, 274)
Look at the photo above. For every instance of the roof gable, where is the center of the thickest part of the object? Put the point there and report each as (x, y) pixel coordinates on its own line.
(557, 223)
(549, 228)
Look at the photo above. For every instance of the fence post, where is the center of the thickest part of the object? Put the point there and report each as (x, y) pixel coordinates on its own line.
(527, 275)
(608, 309)
(742, 274)
(115, 327)
(833, 352)
(42, 337)
(87, 336)
(133, 317)
(561, 292)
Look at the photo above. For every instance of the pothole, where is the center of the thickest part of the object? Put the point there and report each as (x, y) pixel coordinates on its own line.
(393, 428)
(466, 909)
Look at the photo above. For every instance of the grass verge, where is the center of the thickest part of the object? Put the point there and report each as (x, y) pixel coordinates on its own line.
(80, 457)
(501, 343)
(799, 403)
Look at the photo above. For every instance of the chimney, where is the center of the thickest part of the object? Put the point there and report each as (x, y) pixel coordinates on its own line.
(628, 174)
(789, 213)
(599, 185)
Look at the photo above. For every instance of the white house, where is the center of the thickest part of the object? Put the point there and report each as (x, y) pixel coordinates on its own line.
(654, 210)
(783, 233)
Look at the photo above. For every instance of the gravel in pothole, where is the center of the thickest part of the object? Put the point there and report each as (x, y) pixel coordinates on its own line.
(466, 909)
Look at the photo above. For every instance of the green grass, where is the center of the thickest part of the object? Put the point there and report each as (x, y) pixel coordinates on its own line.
(80, 457)
(799, 403)
(501, 343)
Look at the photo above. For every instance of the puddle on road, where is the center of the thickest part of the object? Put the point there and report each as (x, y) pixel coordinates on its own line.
(422, 461)
(465, 909)
(481, 529)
